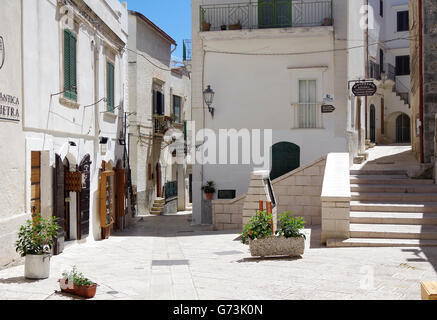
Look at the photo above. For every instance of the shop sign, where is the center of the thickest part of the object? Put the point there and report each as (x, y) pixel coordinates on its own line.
(328, 108)
(364, 89)
(9, 107)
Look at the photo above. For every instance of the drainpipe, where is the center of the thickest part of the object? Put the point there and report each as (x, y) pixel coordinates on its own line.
(420, 31)
(366, 36)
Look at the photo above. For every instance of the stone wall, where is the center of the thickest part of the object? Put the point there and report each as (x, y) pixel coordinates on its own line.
(227, 214)
(299, 191)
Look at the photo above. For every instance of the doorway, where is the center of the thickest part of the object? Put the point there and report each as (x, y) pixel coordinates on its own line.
(158, 181)
(372, 123)
(403, 129)
(285, 158)
(274, 13)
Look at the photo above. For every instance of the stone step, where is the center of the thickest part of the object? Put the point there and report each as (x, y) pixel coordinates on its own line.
(393, 231)
(390, 188)
(387, 179)
(374, 206)
(379, 172)
(159, 200)
(156, 212)
(417, 218)
(359, 160)
(368, 242)
(397, 197)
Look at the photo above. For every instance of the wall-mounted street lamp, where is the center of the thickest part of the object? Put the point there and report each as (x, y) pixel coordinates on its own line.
(208, 96)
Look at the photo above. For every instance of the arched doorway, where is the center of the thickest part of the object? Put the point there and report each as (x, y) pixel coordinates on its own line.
(285, 158)
(372, 123)
(403, 129)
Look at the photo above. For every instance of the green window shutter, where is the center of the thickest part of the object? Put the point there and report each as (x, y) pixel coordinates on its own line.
(110, 86)
(70, 78)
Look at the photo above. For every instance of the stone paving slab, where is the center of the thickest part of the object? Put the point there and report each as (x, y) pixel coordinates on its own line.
(218, 267)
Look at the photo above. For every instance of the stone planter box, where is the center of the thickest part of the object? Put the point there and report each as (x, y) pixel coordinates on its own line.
(277, 246)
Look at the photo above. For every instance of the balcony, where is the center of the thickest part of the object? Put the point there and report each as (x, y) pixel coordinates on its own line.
(374, 71)
(262, 15)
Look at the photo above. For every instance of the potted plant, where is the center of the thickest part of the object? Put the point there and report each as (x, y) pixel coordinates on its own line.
(287, 240)
(209, 190)
(76, 283)
(223, 27)
(205, 25)
(236, 26)
(36, 238)
(327, 22)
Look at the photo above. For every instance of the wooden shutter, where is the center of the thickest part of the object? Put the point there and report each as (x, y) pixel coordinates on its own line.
(120, 196)
(35, 181)
(110, 86)
(58, 208)
(155, 102)
(70, 77)
(83, 221)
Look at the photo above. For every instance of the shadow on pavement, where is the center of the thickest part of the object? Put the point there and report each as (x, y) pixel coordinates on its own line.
(17, 280)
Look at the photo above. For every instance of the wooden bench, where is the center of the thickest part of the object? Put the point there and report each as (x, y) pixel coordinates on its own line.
(429, 290)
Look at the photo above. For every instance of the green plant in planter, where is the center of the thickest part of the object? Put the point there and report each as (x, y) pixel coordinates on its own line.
(37, 237)
(258, 227)
(76, 277)
(290, 226)
(209, 187)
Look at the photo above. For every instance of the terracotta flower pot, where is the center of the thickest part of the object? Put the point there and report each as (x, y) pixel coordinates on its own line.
(236, 26)
(87, 292)
(206, 26)
(209, 196)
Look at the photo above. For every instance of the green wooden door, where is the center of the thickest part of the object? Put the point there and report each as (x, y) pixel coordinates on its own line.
(274, 13)
(285, 158)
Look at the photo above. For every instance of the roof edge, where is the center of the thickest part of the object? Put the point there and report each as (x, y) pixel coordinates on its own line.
(154, 26)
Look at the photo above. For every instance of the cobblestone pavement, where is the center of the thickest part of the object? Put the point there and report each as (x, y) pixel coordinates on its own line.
(160, 259)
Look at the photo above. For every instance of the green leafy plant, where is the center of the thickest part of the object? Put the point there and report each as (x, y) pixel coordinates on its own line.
(76, 277)
(209, 187)
(37, 237)
(290, 226)
(258, 227)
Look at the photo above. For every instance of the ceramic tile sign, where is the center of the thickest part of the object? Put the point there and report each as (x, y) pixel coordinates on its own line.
(9, 107)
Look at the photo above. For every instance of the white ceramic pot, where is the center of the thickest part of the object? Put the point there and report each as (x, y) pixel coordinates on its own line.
(37, 267)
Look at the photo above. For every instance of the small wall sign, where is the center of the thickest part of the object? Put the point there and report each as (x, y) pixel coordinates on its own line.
(364, 89)
(328, 108)
(9, 107)
(2, 52)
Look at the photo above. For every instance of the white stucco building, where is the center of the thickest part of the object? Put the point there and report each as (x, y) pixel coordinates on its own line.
(271, 65)
(389, 113)
(74, 98)
(12, 150)
(159, 104)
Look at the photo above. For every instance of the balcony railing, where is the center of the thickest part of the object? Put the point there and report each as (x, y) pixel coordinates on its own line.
(279, 14)
(374, 71)
(390, 71)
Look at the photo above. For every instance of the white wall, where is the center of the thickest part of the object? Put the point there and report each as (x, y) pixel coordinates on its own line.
(12, 151)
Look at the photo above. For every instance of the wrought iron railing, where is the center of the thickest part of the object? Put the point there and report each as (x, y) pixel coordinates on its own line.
(279, 14)
(171, 189)
(374, 70)
(390, 71)
(187, 50)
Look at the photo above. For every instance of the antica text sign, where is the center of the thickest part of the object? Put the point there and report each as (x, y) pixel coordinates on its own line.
(9, 107)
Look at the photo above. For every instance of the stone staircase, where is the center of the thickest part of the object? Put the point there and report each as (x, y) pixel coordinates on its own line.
(388, 209)
(158, 206)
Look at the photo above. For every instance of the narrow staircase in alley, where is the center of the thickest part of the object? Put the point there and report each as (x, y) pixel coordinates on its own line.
(389, 209)
(158, 206)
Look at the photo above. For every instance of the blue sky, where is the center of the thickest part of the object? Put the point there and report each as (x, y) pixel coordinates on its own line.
(172, 16)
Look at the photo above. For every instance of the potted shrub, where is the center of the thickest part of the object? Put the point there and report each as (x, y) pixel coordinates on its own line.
(287, 241)
(205, 25)
(36, 238)
(327, 22)
(223, 27)
(76, 283)
(209, 190)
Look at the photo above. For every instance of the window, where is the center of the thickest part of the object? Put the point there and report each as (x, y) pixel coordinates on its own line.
(403, 21)
(307, 104)
(70, 78)
(110, 86)
(402, 65)
(381, 8)
(177, 108)
(158, 103)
